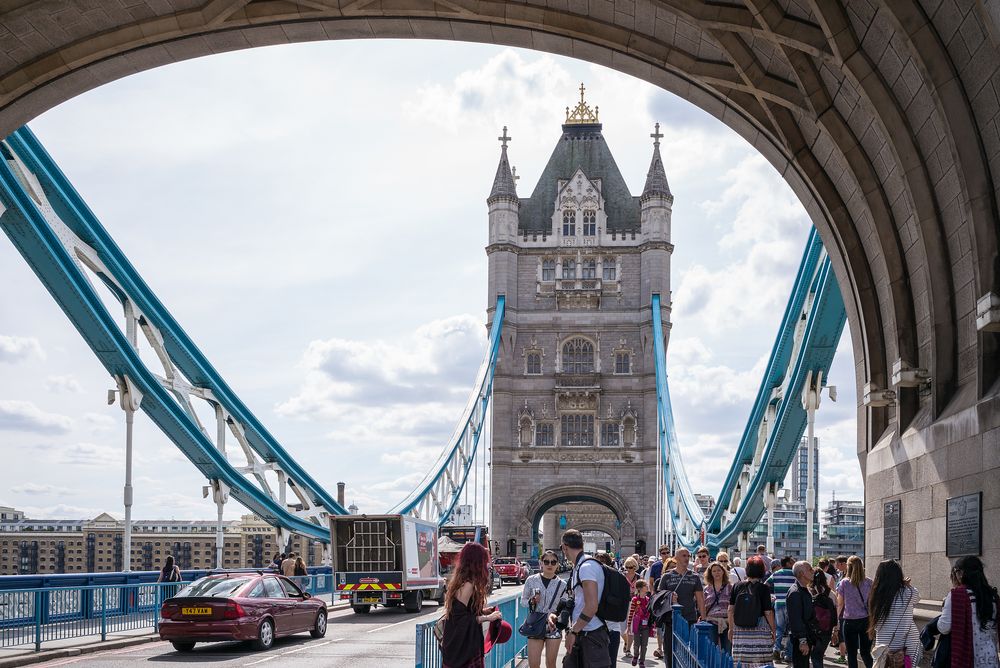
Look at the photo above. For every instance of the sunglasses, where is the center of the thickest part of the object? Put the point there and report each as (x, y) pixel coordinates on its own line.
(547, 562)
(723, 561)
(663, 554)
(630, 568)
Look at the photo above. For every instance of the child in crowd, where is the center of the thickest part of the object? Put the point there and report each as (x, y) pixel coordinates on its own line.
(639, 623)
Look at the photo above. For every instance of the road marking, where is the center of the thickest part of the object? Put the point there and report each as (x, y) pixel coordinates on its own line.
(84, 657)
(268, 658)
(389, 626)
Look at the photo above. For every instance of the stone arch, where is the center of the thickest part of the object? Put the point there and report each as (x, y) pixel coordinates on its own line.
(893, 170)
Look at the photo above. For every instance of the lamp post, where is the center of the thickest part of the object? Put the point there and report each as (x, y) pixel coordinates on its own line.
(812, 391)
(130, 398)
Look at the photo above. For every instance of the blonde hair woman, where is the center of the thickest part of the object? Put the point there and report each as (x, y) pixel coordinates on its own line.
(631, 567)
(853, 594)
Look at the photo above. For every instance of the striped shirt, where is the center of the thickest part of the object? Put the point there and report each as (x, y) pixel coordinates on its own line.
(779, 583)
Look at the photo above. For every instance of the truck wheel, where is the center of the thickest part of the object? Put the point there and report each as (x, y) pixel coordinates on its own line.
(361, 609)
(414, 602)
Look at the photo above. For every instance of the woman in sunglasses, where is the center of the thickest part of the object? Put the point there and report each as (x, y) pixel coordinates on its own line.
(542, 592)
(632, 575)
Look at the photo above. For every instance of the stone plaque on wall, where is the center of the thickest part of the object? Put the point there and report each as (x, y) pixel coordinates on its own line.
(964, 527)
(891, 514)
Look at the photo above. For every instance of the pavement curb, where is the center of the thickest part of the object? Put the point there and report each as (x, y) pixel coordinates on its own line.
(31, 658)
(66, 652)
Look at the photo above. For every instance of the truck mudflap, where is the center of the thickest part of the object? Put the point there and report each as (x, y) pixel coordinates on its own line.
(370, 582)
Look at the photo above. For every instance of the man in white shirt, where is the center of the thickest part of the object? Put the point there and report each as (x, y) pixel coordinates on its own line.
(587, 636)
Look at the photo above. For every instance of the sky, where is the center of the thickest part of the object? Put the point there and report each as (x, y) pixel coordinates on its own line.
(314, 216)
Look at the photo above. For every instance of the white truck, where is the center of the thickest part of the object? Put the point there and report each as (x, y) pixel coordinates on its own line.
(387, 560)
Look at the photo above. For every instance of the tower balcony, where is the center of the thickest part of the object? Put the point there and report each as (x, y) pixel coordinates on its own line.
(578, 292)
(582, 382)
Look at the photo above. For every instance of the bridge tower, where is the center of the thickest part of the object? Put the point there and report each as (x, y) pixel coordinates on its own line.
(574, 396)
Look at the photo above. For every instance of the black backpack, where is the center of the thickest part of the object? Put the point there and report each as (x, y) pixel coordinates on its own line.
(615, 599)
(746, 605)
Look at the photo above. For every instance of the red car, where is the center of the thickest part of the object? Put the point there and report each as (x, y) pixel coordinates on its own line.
(258, 607)
(510, 568)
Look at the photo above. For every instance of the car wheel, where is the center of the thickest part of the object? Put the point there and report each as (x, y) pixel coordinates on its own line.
(319, 628)
(415, 602)
(361, 609)
(265, 635)
(182, 646)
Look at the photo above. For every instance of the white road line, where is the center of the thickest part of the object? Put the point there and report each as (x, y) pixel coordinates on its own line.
(268, 658)
(389, 626)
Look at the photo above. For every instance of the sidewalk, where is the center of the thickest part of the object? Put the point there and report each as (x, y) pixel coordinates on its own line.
(23, 655)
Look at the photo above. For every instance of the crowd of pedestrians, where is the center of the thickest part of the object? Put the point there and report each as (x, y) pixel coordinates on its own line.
(763, 611)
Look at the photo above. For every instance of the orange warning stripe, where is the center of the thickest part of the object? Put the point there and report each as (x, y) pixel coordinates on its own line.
(388, 586)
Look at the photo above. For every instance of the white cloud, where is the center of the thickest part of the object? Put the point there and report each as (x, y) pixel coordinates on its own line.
(83, 454)
(100, 422)
(67, 383)
(63, 511)
(18, 348)
(35, 489)
(18, 415)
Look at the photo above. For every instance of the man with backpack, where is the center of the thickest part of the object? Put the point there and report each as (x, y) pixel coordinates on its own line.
(780, 581)
(587, 636)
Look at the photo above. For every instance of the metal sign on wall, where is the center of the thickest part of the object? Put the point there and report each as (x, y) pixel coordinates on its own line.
(891, 514)
(964, 525)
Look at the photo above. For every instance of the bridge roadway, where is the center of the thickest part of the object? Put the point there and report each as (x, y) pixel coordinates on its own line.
(382, 639)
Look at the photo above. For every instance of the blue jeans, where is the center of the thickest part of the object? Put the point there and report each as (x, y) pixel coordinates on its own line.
(781, 626)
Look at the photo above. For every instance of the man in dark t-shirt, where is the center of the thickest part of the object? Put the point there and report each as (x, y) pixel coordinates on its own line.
(687, 591)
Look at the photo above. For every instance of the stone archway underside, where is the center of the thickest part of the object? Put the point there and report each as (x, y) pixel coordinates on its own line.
(882, 115)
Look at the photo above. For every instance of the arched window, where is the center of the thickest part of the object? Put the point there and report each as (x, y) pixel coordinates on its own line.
(578, 356)
(569, 223)
(548, 270)
(533, 364)
(568, 269)
(588, 269)
(589, 222)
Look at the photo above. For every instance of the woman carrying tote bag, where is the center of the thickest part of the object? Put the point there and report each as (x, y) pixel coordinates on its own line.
(541, 595)
(890, 618)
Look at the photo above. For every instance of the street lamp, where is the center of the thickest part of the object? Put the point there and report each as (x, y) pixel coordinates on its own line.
(812, 392)
(130, 399)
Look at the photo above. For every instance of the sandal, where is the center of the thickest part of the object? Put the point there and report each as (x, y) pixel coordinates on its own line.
(658, 654)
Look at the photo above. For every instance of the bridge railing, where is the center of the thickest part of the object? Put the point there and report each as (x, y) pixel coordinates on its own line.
(507, 655)
(42, 614)
(694, 645)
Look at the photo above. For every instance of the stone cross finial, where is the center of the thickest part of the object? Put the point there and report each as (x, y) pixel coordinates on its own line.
(657, 136)
(513, 173)
(503, 139)
(582, 89)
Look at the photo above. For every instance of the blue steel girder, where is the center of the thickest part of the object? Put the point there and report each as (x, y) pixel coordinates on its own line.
(436, 495)
(58, 236)
(807, 341)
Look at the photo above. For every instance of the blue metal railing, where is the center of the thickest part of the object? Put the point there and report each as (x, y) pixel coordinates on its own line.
(43, 614)
(694, 645)
(63, 580)
(507, 655)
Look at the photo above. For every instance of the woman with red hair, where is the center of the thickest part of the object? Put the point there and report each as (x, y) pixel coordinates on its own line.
(751, 618)
(465, 609)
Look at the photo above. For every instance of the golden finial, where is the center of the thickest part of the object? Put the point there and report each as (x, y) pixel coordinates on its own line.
(582, 113)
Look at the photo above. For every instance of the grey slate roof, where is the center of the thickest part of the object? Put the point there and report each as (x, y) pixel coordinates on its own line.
(656, 177)
(581, 146)
(503, 182)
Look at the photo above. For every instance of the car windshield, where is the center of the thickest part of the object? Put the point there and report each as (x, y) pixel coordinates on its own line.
(215, 587)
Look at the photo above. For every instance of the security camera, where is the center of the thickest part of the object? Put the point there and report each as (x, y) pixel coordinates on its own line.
(111, 397)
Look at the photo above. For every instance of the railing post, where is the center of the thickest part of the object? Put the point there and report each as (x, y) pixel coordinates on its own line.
(104, 614)
(420, 648)
(703, 641)
(676, 621)
(156, 611)
(38, 621)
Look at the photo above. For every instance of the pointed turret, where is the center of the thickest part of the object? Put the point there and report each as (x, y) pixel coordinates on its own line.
(504, 185)
(656, 177)
(503, 202)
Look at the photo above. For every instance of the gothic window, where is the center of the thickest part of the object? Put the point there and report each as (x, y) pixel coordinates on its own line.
(589, 269)
(623, 363)
(569, 223)
(525, 429)
(610, 270)
(610, 434)
(576, 430)
(569, 269)
(578, 356)
(545, 434)
(628, 430)
(533, 363)
(548, 270)
(589, 222)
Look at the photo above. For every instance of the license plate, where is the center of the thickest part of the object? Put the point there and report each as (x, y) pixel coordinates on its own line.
(196, 611)
(371, 599)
